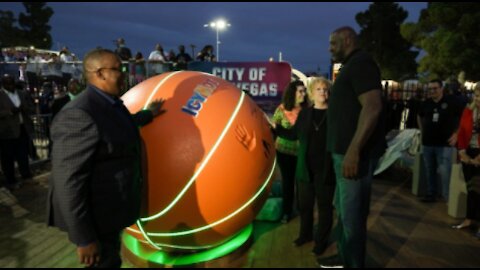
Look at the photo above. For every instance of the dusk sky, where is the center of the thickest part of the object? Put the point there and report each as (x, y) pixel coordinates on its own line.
(258, 31)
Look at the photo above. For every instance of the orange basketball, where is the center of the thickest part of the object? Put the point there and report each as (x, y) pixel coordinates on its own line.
(210, 159)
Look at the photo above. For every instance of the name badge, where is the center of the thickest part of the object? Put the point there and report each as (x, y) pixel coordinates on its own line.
(435, 117)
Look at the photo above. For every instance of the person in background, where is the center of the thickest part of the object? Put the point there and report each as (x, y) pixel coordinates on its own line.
(157, 60)
(206, 54)
(438, 120)
(74, 88)
(15, 127)
(469, 153)
(122, 50)
(140, 70)
(285, 115)
(183, 58)
(125, 55)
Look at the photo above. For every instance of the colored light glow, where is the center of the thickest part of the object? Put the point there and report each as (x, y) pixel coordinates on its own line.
(180, 247)
(203, 165)
(164, 258)
(158, 246)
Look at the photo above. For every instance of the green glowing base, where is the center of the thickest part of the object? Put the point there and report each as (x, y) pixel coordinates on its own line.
(147, 256)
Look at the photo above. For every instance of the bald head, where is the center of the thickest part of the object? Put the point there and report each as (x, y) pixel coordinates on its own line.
(346, 32)
(343, 41)
(103, 69)
(94, 60)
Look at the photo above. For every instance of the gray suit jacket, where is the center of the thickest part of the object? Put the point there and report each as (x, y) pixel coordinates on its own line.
(10, 122)
(95, 187)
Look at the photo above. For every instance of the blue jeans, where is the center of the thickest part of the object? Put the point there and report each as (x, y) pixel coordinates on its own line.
(352, 202)
(438, 159)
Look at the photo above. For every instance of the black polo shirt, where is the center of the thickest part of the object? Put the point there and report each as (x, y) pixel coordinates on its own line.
(439, 120)
(358, 75)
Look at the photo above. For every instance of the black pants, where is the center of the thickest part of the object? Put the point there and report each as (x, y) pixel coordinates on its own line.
(473, 198)
(109, 251)
(287, 165)
(308, 193)
(15, 149)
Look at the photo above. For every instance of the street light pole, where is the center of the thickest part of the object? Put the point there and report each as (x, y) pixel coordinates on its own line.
(218, 25)
(218, 46)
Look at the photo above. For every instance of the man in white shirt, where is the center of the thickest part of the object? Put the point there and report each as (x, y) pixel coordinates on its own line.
(157, 60)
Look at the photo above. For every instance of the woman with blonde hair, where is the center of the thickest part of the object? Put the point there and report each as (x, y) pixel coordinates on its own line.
(469, 154)
(314, 173)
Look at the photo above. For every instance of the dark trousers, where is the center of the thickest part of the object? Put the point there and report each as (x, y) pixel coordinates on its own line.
(109, 251)
(287, 165)
(15, 149)
(473, 198)
(308, 193)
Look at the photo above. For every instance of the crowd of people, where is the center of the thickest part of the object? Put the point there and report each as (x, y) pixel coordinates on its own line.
(37, 67)
(329, 138)
(358, 117)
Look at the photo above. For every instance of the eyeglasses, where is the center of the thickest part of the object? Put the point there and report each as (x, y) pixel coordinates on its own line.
(111, 68)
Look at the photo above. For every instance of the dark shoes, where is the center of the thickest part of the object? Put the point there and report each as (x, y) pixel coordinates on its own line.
(330, 262)
(428, 199)
(302, 240)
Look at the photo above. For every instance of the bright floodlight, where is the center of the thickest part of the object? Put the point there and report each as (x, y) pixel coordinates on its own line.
(218, 25)
(221, 24)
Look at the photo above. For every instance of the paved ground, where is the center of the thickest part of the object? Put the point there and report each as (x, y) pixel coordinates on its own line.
(402, 232)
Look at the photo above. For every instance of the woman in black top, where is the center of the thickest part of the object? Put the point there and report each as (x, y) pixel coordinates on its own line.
(314, 174)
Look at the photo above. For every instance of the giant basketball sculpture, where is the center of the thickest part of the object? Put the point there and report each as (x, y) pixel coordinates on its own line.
(210, 160)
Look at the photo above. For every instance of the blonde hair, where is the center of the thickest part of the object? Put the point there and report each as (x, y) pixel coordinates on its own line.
(472, 105)
(314, 80)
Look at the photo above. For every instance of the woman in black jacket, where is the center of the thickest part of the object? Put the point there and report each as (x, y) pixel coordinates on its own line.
(315, 177)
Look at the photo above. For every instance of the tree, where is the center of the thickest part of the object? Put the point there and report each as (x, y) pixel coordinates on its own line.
(9, 33)
(31, 28)
(35, 24)
(380, 36)
(449, 34)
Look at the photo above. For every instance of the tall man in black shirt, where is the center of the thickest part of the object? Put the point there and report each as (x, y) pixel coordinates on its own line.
(356, 139)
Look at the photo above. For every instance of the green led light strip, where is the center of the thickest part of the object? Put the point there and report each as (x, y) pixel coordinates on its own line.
(164, 258)
(146, 235)
(180, 247)
(203, 165)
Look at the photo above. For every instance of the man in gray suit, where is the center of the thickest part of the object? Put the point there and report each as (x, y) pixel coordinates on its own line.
(15, 127)
(96, 183)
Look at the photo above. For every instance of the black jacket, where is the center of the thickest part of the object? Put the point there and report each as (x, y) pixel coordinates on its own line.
(96, 181)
